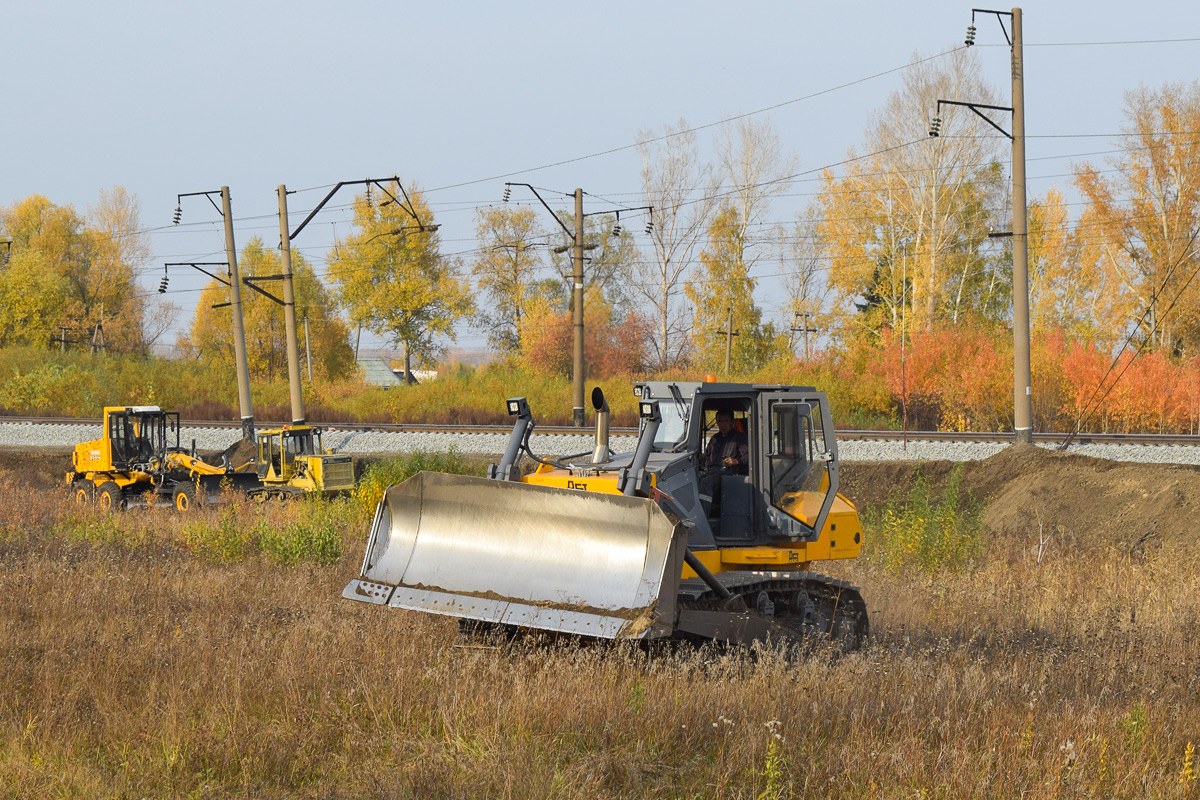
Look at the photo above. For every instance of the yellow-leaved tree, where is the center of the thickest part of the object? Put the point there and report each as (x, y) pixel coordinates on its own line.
(506, 267)
(905, 227)
(1138, 229)
(211, 335)
(723, 288)
(1064, 292)
(393, 279)
(65, 280)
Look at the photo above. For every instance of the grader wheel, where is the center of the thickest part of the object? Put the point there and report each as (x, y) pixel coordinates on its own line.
(109, 497)
(184, 497)
(83, 493)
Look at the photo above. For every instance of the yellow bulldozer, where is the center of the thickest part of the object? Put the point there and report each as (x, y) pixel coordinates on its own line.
(139, 456)
(662, 542)
(293, 462)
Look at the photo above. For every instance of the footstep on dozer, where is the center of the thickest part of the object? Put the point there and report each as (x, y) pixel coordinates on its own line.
(651, 544)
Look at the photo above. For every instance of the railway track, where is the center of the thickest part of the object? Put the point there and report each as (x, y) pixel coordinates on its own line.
(992, 437)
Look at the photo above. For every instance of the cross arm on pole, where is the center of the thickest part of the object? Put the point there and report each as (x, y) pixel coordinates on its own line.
(199, 267)
(208, 194)
(408, 209)
(1000, 15)
(553, 213)
(620, 211)
(975, 107)
(252, 280)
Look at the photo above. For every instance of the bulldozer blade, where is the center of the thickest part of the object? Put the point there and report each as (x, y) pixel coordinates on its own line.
(563, 560)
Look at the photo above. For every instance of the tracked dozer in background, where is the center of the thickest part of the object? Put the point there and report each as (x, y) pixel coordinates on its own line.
(292, 462)
(642, 545)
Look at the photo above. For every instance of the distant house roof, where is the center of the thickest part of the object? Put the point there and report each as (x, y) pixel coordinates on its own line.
(377, 372)
(419, 375)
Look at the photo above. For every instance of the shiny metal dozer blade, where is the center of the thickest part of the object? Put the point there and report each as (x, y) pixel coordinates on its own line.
(561, 560)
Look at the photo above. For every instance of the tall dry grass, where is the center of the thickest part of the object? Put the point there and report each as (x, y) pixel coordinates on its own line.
(135, 667)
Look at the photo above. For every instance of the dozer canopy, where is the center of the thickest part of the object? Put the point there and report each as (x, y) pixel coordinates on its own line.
(529, 556)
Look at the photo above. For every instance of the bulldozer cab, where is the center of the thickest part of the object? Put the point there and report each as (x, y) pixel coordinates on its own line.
(783, 491)
(140, 434)
(282, 449)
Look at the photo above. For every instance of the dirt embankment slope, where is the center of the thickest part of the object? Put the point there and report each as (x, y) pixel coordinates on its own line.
(1079, 500)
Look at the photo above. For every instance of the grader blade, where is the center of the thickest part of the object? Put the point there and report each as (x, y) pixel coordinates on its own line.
(503, 552)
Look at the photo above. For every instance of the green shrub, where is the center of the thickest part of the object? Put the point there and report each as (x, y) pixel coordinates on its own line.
(927, 532)
(224, 539)
(313, 533)
(292, 532)
(369, 489)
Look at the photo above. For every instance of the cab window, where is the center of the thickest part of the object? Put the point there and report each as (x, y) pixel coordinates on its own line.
(791, 440)
(797, 459)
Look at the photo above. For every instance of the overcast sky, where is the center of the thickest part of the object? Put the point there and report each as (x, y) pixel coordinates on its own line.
(166, 98)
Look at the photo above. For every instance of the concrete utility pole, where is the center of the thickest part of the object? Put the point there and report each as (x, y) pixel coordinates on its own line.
(577, 257)
(806, 328)
(239, 331)
(1022, 379)
(1022, 375)
(289, 312)
(728, 333)
(577, 248)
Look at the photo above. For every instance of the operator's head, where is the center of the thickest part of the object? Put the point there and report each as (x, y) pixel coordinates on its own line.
(724, 420)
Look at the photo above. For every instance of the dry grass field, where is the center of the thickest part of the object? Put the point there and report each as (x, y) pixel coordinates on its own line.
(149, 655)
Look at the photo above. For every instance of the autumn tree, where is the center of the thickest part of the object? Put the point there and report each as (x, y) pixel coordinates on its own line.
(722, 287)
(804, 258)
(1063, 293)
(116, 215)
(754, 169)
(609, 260)
(682, 190)
(614, 343)
(62, 274)
(507, 264)
(392, 278)
(906, 224)
(211, 336)
(1138, 229)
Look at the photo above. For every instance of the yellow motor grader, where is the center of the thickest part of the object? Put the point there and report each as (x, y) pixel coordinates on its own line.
(139, 457)
(650, 544)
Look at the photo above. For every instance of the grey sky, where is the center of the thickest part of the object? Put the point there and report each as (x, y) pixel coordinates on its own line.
(164, 98)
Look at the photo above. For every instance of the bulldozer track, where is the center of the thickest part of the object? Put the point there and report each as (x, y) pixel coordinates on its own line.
(804, 607)
(998, 437)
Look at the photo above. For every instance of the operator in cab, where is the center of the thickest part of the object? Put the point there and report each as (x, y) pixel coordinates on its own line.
(727, 449)
(727, 453)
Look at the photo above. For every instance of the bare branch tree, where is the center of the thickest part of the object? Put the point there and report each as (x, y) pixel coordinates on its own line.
(681, 189)
(805, 259)
(754, 169)
(118, 214)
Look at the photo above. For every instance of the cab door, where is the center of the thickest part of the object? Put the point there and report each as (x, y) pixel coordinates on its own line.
(118, 436)
(796, 463)
(265, 455)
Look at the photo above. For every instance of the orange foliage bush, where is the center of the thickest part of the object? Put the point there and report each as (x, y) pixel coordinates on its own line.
(610, 347)
(961, 379)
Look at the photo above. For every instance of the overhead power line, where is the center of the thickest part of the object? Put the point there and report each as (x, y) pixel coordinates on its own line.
(674, 134)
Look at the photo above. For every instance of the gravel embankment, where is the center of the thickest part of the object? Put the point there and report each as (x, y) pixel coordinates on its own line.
(20, 435)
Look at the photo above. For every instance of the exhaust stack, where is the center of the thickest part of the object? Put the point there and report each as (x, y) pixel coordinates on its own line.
(602, 453)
